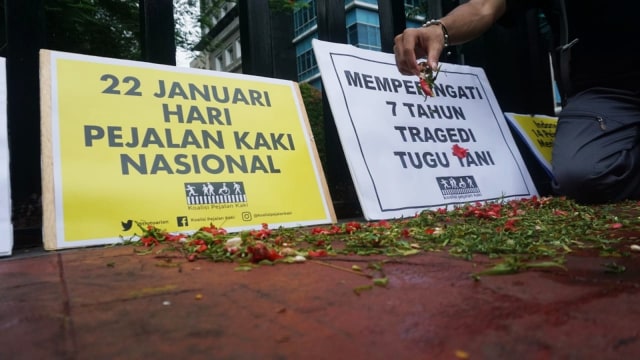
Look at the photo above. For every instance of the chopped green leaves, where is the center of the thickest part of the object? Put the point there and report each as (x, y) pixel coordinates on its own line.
(529, 233)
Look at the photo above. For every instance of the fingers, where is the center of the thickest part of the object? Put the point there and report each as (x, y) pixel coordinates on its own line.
(416, 43)
(432, 61)
(404, 50)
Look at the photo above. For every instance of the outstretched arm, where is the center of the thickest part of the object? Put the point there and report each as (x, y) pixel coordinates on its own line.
(464, 23)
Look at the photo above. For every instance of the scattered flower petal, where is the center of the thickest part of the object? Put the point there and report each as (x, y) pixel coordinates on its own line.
(233, 242)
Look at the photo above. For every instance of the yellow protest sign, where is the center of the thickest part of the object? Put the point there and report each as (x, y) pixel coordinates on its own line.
(538, 131)
(127, 143)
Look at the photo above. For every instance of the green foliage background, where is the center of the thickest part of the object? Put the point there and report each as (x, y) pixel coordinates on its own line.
(312, 99)
(111, 28)
(95, 27)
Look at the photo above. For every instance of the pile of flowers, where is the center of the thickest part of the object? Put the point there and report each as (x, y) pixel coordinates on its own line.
(533, 227)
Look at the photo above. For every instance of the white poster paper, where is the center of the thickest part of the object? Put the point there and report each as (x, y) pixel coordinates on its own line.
(6, 229)
(407, 153)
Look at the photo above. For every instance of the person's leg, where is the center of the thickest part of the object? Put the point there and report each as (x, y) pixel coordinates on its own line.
(596, 153)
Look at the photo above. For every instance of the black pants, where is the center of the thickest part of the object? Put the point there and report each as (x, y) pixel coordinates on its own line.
(596, 154)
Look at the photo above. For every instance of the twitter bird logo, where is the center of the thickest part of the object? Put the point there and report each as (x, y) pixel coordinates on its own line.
(126, 225)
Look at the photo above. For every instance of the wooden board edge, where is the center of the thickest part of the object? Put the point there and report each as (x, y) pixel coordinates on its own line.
(316, 156)
(49, 235)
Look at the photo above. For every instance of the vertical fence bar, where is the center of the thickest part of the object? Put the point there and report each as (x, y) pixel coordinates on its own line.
(157, 27)
(255, 37)
(24, 21)
(392, 22)
(265, 40)
(332, 27)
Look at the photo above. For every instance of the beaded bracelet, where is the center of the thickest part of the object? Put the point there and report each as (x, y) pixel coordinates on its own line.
(445, 33)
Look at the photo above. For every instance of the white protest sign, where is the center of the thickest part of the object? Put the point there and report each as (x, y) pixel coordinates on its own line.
(407, 154)
(6, 229)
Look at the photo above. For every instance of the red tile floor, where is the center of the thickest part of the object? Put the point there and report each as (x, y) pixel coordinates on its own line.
(109, 303)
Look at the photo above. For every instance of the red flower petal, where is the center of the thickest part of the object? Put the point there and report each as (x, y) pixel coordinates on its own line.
(273, 255)
(459, 151)
(319, 253)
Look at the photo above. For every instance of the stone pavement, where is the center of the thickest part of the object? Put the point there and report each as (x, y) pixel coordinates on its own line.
(109, 303)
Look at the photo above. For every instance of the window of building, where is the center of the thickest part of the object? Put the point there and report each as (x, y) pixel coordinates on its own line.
(307, 65)
(412, 3)
(223, 9)
(372, 2)
(364, 36)
(415, 13)
(228, 55)
(304, 18)
(218, 65)
(238, 48)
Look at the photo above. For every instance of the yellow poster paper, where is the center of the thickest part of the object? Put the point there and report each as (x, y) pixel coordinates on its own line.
(143, 144)
(539, 132)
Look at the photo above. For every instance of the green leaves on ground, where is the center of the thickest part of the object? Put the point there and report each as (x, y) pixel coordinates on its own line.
(529, 233)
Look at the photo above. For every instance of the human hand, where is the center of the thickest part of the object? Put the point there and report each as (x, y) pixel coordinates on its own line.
(418, 43)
